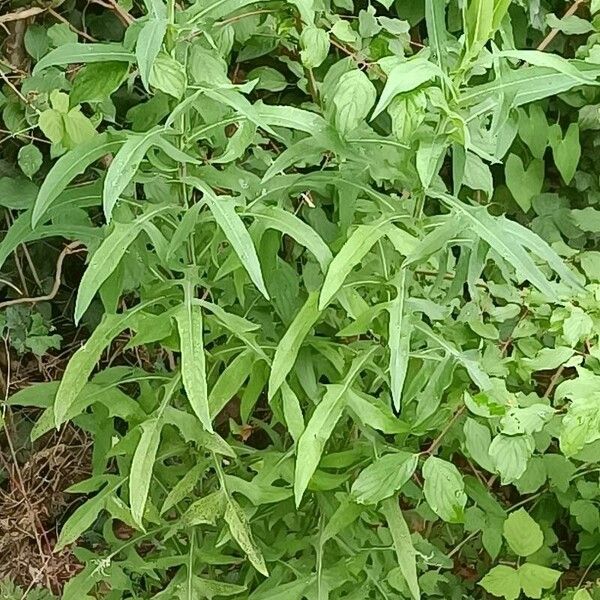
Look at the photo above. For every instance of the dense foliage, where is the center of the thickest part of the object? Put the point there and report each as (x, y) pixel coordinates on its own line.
(340, 294)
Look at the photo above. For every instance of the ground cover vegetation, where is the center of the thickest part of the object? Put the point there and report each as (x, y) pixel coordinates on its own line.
(300, 299)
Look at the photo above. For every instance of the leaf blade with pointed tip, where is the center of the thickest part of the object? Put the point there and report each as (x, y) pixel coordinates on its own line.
(67, 167)
(399, 333)
(241, 532)
(124, 166)
(148, 46)
(233, 227)
(84, 360)
(83, 518)
(193, 369)
(142, 465)
(106, 259)
(405, 551)
(289, 345)
(286, 222)
(403, 78)
(314, 437)
(84, 53)
(353, 251)
(320, 427)
(487, 227)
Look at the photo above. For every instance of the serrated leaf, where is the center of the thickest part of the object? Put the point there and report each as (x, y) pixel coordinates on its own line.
(522, 533)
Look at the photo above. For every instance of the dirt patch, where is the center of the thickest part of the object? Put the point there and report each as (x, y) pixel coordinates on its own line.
(33, 504)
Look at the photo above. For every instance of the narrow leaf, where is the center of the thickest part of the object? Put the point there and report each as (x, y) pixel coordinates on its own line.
(148, 46)
(491, 230)
(142, 465)
(320, 427)
(399, 341)
(124, 166)
(223, 210)
(193, 369)
(289, 345)
(84, 360)
(352, 252)
(83, 518)
(106, 259)
(242, 534)
(284, 221)
(405, 551)
(83, 53)
(67, 167)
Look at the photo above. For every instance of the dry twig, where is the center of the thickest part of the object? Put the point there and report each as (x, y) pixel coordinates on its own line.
(71, 248)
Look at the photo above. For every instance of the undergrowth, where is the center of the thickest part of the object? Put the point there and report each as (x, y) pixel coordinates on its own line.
(318, 284)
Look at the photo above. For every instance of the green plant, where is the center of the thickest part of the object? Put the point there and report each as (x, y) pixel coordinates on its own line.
(368, 292)
(27, 330)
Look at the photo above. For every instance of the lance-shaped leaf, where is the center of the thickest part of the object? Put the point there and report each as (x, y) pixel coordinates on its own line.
(124, 166)
(67, 167)
(148, 46)
(320, 427)
(353, 251)
(67, 54)
(405, 551)
(491, 230)
(83, 518)
(142, 466)
(107, 257)
(193, 369)
(223, 210)
(84, 360)
(242, 534)
(289, 345)
(288, 223)
(399, 333)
